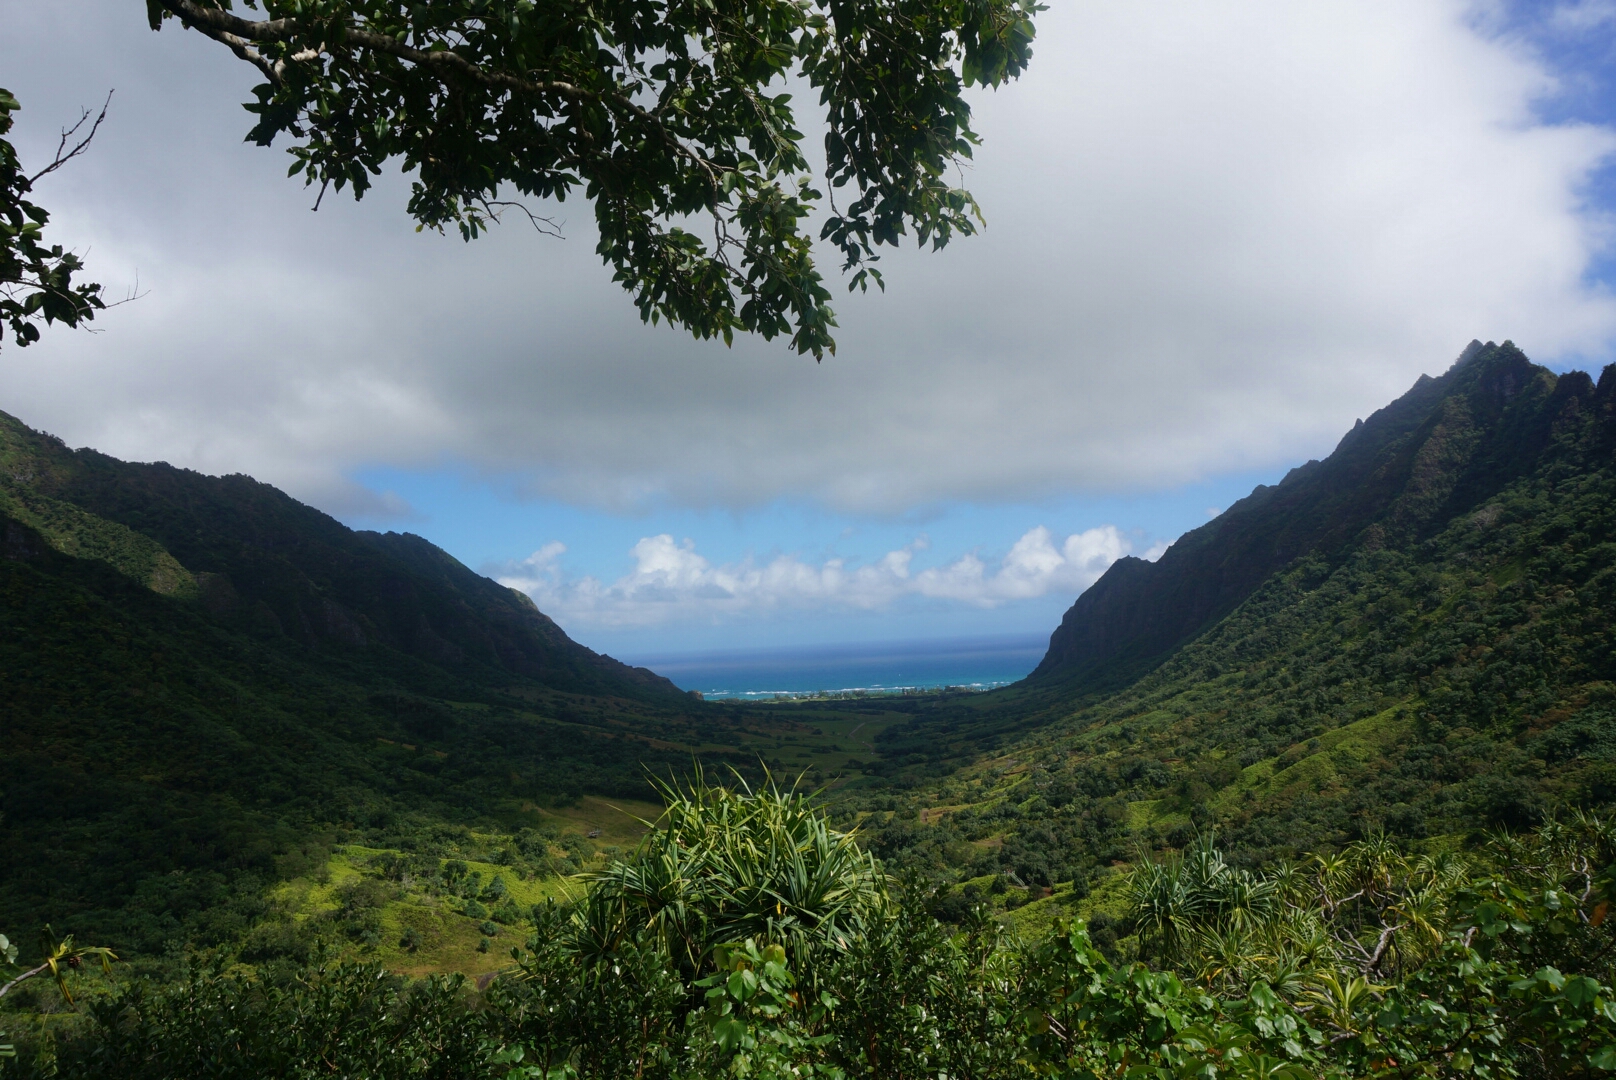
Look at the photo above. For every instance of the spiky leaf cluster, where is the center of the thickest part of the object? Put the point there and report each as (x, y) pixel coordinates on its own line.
(731, 865)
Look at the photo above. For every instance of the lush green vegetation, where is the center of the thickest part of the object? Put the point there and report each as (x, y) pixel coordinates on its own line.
(1431, 677)
(164, 773)
(221, 705)
(305, 781)
(182, 732)
(1363, 963)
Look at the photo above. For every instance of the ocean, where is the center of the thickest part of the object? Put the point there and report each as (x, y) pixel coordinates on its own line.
(874, 668)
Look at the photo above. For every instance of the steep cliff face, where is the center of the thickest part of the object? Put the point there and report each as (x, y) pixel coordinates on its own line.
(1441, 449)
(255, 559)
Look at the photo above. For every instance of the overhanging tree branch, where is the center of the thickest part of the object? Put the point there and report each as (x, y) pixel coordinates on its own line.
(656, 113)
(37, 279)
(240, 34)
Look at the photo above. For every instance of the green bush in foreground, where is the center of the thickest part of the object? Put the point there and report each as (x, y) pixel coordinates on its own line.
(1420, 968)
(723, 866)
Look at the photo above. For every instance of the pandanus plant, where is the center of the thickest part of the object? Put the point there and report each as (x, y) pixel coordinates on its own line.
(1178, 901)
(57, 958)
(1369, 911)
(725, 865)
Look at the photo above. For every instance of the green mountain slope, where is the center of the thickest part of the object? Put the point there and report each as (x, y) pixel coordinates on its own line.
(205, 684)
(263, 561)
(1441, 449)
(1417, 635)
(202, 682)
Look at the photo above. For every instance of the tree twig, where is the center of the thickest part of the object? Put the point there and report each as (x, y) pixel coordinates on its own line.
(62, 158)
(1380, 947)
(545, 225)
(29, 974)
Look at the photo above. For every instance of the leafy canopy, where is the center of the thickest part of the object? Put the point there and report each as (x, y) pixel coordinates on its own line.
(661, 111)
(36, 279)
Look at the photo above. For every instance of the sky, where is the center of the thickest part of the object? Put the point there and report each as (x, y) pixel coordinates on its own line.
(1217, 235)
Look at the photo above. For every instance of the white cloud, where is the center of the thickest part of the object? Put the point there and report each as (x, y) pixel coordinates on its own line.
(1217, 234)
(1582, 15)
(672, 582)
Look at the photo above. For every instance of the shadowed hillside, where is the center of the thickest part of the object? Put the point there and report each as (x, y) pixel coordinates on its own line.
(259, 560)
(205, 681)
(1443, 448)
(1416, 635)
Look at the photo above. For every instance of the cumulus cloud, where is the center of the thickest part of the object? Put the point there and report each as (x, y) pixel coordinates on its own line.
(1217, 235)
(672, 582)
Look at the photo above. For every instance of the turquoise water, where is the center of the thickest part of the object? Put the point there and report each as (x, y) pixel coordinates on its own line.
(885, 667)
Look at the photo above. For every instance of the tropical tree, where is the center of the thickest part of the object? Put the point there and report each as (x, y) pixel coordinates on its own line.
(1195, 902)
(674, 119)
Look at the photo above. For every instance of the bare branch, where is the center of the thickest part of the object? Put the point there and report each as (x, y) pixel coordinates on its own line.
(29, 974)
(130, 297)
(64, 155)
(1332, 906)
(239, 33)
(1350, 944)
(545, 225)
(1380, 947)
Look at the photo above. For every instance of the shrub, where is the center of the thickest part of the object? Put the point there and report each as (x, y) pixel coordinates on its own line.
(724, 866)
(1368, 961)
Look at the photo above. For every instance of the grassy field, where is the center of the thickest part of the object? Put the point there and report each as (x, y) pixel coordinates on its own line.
(827, 742)
(418, 924)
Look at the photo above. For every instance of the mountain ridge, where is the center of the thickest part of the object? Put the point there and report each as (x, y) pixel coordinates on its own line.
(1431, 655)
(260, 558)
(1429, 648)
(203, 682)
(1385, 473)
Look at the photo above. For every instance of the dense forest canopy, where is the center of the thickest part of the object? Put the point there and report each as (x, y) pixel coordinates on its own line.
(1436, 663)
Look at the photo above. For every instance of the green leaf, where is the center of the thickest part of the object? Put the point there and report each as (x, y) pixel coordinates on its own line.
(1581, 991)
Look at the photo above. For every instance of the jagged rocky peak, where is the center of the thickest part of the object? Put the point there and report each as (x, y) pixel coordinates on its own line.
(1398, 475)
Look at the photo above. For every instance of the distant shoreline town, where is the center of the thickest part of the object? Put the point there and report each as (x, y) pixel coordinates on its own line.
(850, 694)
